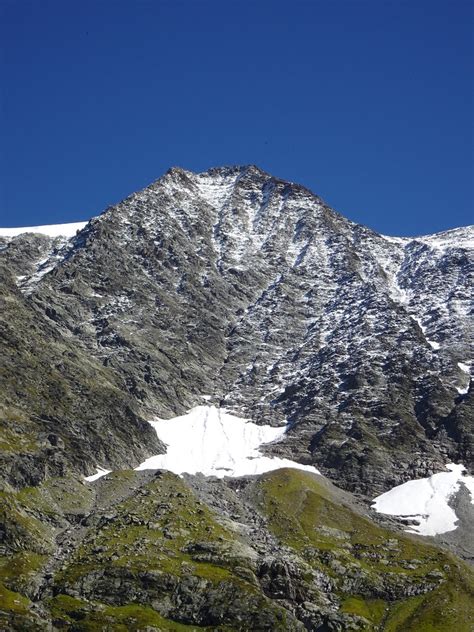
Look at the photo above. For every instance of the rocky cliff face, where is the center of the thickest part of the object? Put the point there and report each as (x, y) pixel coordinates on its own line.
(248, 289)
(59, 406)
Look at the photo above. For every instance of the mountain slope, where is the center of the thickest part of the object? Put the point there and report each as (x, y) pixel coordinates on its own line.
(248, 288)
(60, 409)
(249, 292)
(285, 551)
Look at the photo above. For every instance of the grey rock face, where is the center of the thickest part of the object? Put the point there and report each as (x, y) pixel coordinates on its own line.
(239, 286)
(235, 284)
(60, 409)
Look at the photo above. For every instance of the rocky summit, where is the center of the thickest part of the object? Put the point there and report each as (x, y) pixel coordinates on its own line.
(234, 297)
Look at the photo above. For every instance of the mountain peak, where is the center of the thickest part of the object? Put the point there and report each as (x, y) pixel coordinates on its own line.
(220, 172)
(349, 351)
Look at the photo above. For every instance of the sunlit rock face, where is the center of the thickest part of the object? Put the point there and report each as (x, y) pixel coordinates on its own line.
(174, 374)
(248, 288)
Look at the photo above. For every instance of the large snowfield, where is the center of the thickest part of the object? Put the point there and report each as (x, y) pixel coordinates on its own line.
(426, 500)
(211, 441)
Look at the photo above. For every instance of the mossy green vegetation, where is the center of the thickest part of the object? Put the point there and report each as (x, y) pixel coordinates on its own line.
(16, 432)
(94, 616)
(371, 609)
(12, 601)
(25, 529)
(336, 539)
(450, 607)
(31, 518)
(152, 554)
(166, 545)
(19, 570)
(32, 514)
(154, 529)
(58, 496)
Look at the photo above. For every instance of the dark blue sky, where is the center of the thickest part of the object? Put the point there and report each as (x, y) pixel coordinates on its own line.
(368, 103)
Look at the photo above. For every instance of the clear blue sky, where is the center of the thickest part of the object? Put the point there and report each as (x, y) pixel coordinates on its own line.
(368, 103)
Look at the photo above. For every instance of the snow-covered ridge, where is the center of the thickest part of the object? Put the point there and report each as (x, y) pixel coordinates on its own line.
(462, 237)
(426, 500)
(51, 256)
(52, 230)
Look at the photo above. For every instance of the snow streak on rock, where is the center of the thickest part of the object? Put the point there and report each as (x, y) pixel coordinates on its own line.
(100, 472)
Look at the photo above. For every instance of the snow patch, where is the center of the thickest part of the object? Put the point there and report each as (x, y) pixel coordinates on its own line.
(462, 237)
(465, 368)
(100, 472)
(426, 500)
(214, 442)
